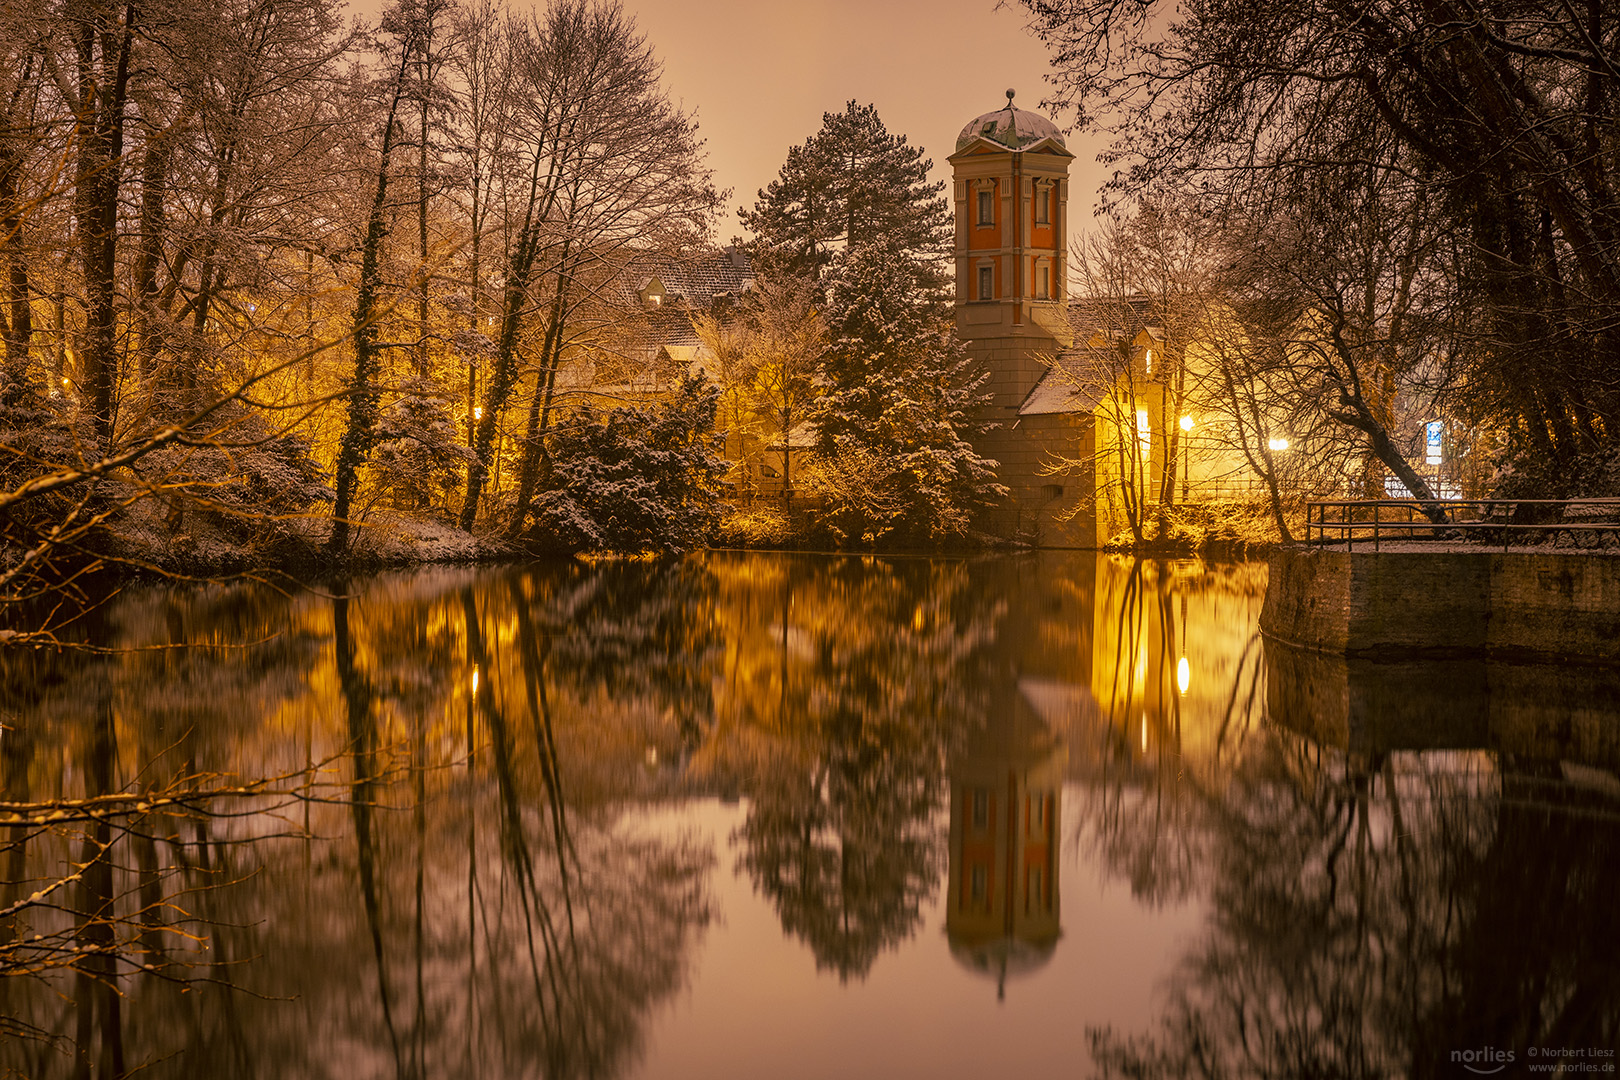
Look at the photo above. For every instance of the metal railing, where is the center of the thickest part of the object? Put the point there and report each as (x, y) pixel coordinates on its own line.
(1352, 521)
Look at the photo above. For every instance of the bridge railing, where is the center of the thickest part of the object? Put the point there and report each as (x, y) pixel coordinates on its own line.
(1493, 521)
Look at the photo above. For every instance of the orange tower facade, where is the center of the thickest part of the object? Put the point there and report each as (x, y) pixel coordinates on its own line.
(1003, 914)
(1011, 189)
(1011, 173)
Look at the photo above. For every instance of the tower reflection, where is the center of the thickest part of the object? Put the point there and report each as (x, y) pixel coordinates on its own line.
(1002, 911)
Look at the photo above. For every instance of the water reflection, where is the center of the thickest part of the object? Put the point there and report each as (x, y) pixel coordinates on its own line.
(396, 828)
(1002, 909)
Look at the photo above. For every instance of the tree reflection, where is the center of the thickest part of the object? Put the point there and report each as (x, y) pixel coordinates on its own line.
(1375, 909)
(636, 631)
(412, 903)
(391, 831)
(856, 677)
(1178, 681)
(845, 858)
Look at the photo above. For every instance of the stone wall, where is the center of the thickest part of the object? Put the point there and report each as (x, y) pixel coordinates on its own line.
(1048, 509)
(1534, 606)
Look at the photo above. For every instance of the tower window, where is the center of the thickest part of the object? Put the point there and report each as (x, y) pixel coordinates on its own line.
(1043, 205)
(987, 208)
(1043, 283)
(987, 283)
(981, 809)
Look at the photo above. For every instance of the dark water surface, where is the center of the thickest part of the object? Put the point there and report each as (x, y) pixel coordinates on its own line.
(754, 815)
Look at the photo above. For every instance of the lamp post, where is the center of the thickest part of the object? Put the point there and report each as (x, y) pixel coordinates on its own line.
(1186, 457)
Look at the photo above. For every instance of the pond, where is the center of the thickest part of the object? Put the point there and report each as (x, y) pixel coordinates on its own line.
(746, 815)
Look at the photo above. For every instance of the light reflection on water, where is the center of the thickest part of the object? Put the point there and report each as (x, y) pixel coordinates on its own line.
(791, 815)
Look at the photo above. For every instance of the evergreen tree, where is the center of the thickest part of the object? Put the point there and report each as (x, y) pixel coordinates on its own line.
(892, 424)
(852, 185)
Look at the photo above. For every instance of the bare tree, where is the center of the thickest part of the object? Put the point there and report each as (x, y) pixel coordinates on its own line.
(606, 160)
(1495, 117)
(360, 434)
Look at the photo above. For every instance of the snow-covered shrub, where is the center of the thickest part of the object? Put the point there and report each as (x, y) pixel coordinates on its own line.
(758, 526)
(635, 478)
(246, 485)
(38, 435)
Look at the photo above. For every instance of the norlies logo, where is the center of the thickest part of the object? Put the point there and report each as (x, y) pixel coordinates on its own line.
(1484, 1061)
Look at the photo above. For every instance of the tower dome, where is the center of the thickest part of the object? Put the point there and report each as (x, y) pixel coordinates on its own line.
(1010, 128)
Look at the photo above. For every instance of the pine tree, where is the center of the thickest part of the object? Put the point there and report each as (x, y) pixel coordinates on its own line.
(852, 185)
(895, 464)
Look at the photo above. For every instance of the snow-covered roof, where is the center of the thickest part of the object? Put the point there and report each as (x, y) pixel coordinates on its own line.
(1056, 394)
(1010, 129)
(801, 436)
(696, 279)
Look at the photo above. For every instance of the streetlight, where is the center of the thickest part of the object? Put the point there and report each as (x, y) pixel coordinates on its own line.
(1186, 459)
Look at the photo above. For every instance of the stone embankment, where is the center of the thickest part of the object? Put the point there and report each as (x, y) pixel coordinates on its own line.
(1529, 606)
(1464, 649)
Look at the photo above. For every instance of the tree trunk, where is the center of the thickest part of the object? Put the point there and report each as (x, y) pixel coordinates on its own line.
(539, 409)
(103, 83)
(363, 396)
(519, 274)
(153, 223)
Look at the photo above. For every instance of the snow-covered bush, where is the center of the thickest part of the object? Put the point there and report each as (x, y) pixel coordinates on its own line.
(246, 486)
(757, 526)
(634, 478)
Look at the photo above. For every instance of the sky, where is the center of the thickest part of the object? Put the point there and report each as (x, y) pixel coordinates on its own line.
(759, 74)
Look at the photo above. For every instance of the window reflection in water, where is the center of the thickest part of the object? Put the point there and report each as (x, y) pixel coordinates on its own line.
(1002, 910)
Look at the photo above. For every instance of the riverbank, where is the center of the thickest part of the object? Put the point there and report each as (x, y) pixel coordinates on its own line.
(217, 547)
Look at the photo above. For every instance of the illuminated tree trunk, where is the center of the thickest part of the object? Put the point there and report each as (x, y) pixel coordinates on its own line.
(360, 434)
(103, 45)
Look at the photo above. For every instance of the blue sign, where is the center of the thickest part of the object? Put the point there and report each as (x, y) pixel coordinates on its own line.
(1432, 441)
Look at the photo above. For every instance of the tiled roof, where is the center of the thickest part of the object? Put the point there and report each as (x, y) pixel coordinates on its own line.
(1114, 318)
(694, 280)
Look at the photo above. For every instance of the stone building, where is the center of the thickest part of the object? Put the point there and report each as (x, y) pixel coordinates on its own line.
(1011, 193)
(1083, 424)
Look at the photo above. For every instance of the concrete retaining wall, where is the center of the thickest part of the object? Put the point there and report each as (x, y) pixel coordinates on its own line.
(1540, 606)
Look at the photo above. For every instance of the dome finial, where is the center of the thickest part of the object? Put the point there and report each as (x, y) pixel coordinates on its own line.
(1009, 98)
